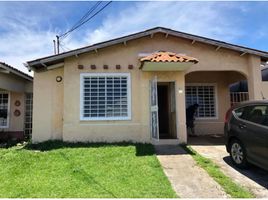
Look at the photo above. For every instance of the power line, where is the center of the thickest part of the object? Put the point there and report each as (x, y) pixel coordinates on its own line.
(81, 20)
(84, 18)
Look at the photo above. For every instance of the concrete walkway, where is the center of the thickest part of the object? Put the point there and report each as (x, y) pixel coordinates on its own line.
(254, 178)
(187, 179)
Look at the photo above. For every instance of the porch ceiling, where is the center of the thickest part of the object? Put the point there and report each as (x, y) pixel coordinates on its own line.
(166, 61)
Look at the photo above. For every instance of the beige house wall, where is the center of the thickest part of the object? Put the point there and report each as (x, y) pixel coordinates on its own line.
(65, 96)
(47, 106)
(16, 123)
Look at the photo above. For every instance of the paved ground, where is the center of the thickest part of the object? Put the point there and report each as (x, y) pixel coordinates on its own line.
(187, 179)
(254, 178)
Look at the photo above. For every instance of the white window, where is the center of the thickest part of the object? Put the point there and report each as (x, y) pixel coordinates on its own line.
(4, 109)
(204, 96)
(105, 96)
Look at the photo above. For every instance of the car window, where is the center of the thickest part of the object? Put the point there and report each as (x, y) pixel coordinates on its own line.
(239, 112)
(257, 114)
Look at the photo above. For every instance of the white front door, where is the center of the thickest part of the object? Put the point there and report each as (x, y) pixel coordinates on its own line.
(154, 109)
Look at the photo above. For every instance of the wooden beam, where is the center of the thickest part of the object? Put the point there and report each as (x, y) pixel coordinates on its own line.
(166, 35)
(58, 65)
(96, 50)
(125, 43)
(243, 53)
(217, 48)
(193, 42)
(152, 35)
(43, 64)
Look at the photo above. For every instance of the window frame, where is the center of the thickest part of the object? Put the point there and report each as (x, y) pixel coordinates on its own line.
(83, 75)
(215, 98)
(8, 109)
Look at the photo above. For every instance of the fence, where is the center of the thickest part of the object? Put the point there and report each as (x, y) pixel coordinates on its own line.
(236, 97)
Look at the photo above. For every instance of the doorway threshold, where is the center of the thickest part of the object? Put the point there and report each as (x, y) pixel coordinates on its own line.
(166, 142)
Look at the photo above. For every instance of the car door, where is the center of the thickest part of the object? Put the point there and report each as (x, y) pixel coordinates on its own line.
(255, 132)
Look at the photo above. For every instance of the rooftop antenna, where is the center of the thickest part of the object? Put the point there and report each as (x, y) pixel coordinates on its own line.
(54, 45)
(58, 44)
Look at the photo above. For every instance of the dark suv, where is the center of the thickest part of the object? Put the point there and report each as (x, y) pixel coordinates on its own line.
(246, 133)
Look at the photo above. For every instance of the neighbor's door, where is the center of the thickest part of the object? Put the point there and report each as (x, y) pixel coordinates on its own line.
(154, 109)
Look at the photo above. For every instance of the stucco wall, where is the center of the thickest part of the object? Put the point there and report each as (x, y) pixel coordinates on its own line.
(16, 122)
(48, 94)
(47, 106)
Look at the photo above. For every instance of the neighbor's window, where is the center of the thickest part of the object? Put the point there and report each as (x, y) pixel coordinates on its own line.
(105, 96)
(204, 95)
(4, 108)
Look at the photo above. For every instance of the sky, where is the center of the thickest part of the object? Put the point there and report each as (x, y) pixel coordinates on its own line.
(27, 29)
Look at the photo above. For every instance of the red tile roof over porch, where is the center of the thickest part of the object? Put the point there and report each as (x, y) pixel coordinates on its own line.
(163, 56)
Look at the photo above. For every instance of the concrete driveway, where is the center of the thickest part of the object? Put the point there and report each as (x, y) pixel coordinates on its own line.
(254, 178)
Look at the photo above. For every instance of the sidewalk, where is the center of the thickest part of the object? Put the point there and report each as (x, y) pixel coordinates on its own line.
(187, 179)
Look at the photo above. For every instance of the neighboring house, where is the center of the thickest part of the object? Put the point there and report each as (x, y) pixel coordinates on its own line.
(16, 90)
(114, 90)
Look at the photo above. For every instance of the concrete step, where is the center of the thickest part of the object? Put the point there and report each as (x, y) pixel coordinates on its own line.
(166, 142)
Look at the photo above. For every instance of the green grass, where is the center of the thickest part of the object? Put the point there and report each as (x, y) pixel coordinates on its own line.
(56, 169)
(230, 187)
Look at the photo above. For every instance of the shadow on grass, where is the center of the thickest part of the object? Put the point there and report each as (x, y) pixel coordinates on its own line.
(168, 150)
(188, 151)
(141, 149)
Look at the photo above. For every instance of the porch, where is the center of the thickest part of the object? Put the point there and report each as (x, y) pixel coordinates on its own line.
(210, 88)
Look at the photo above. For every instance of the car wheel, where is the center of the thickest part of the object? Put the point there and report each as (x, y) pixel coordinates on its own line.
(238, 154)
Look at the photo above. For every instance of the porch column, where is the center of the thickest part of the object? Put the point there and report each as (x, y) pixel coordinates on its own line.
(180, 108)
(254, 77)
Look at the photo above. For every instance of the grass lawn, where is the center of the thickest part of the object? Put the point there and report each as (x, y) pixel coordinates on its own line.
(56, 169)
(230, 187)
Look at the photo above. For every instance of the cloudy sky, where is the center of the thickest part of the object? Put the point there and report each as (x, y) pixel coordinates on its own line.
(27, 29)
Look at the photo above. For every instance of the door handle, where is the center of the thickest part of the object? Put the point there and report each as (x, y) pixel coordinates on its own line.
(242, 126)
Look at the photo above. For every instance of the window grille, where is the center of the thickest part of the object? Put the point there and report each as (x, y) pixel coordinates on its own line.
(28, 115)
(4, 109)
(105, 96)
(204, 96)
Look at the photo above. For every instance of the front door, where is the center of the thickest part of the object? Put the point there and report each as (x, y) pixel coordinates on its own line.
(166, 110)
(154, 109)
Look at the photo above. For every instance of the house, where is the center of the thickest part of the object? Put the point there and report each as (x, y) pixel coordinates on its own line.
(137, 87)
(16, 90)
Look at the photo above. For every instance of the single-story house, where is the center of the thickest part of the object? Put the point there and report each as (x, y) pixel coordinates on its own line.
(137, 87)
(16, 90)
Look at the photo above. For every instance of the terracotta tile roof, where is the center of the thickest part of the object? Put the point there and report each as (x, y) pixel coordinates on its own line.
(164, 56)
